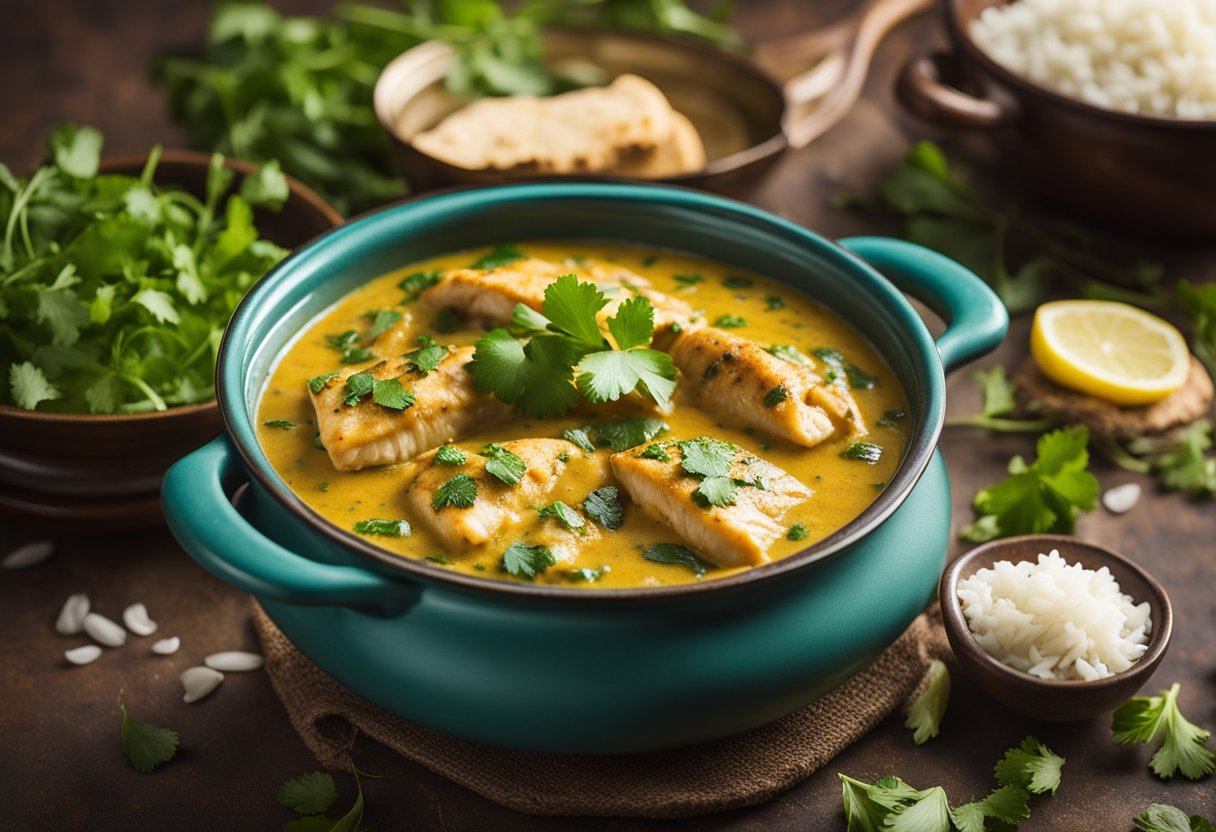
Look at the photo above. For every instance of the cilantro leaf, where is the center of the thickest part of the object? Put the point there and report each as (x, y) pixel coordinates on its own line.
(674, 553)
(415, 284)
(30, 386)
(572, 306)
(565, 515)
(798, 531)
(929, 810)
(633, 324)
(537, 375)
(776, 396)
(451, 455)
(266, 187)
(924, 714)
(773, 302)
(503, 465)
(1008, 804)
(440, 560)
(580, 437)
(655, 451)
(1180, 460)
(76, 150)
(716, 491)
(427, 357)
(308, 794)
(501, 255)
(382, 321)
(707, 457)
(1031, 766)
(1142, 718)
(586, 574)
(145, 746)
(603, 505)
(527, 319)
(891, 418)
(281, 424)
(841, 368)
(384, 528)
(866, 452)
(624, 434)
(790, 353)
(521, 560)
(606, 376)
(389, 393)
(997, 391)
(459, 492)
(730, 321)
(1160, 817)
(688, 280)
(736, 282)
(318, 383)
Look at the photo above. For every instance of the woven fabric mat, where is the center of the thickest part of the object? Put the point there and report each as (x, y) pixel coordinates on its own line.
(742, 770)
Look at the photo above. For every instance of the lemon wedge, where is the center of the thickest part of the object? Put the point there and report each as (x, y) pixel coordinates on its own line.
(1109, 350)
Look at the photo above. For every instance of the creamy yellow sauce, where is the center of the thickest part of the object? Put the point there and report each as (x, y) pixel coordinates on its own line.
(774, 314)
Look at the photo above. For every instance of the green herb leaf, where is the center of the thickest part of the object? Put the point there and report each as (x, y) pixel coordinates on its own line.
(773, 302)
(866, 452)
(1180, 460)
(997, 391)
(503, 465)
(572, 306)
(76, 150)
(501, 255)
(624, 434)
(536, 375)
(924, 714)
(655, 452)
(281, 424)
(1159, 817)
(1031, 766)
(384, 528)
(798, 531)
(736, 282)
(415, 284)
(716, 491)
(674, 553)
(145, 746)
(30, 386)
(389, 393)
(526, 562)
(382, 321)
(790, 353)
(358, 386)
(318, 383)
(633, 324)
(426, 358)
(606, 376)
(308, 794)
(688, 280)
(586, 574)
(580, 437)
(565, 515)
(707, 457)
(603, 505)
(730, 321)
(891, 418)
(459, 492)
(451, 455)
(1142, 718)
(776, 396)
(266, 187)
(439, 559)
(858, 378)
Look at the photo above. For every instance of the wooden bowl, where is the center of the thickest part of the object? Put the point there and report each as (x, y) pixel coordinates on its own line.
(104, 470)
(1051, 700)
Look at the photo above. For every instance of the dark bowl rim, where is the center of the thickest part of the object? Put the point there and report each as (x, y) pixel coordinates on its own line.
(917, 453)
(956, 623)
(122, 161)
(958, 28)
(767, 148)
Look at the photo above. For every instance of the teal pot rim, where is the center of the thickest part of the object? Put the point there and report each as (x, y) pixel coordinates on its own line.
(345, 242)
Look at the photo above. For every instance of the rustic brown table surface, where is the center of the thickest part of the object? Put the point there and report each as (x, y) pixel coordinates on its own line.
(61, 766)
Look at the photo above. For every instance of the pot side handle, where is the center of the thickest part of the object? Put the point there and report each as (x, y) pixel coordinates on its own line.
(921, 88)
(196, 497)
(976, 320)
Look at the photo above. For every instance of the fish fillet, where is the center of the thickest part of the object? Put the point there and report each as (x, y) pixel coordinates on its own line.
(735, 535)
(735, 378)
(447, 407)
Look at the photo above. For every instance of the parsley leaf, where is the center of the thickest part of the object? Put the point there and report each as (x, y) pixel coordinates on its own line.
(427, 357)
(501, 255)
(318, 383)
(459, 492)
(674, 553)
(1045, 496)
(798, 531)
(565, 515)
(308, 794)
(866, 452)
(1142, 718)
(730, 321)
(524, 561)
(415, 284)
(603, 505)
(776, 396)
(503, 465)
(707, 457)
(145, 746)
(1160, 817)
(451, 455)
(924, 714)
(384, 528)
(790, 353)
(281, 424)
(389, 393)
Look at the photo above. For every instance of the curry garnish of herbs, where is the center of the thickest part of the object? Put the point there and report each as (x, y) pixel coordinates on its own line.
(575, 387)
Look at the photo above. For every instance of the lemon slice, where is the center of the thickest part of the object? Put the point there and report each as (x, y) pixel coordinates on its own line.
(1109, 350)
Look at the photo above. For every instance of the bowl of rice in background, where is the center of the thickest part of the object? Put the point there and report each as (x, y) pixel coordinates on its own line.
(1064, 696)
(1107, 106)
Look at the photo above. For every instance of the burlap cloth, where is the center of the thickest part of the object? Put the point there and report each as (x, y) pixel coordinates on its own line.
(742, 770)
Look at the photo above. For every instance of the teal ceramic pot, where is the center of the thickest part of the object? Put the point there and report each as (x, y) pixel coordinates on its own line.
(560, 669)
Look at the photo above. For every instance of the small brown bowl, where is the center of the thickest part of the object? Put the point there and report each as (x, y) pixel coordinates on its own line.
(1054, 701)
(104, 470)
(1142, 172)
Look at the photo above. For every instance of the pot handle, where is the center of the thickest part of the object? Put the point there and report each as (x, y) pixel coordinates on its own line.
(976, 320)
(196, 497)
(922, 91)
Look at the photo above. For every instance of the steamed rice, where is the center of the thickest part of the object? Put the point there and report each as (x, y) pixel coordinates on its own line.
(1054, 620)
(1155, 57)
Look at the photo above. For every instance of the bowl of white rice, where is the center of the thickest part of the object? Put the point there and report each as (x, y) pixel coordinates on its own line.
(1108, 106)
(1054, 627)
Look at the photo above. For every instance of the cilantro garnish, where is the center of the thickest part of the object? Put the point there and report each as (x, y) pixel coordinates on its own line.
(389, 393)
(524, 561)
(603, 505)
(439, 560)
(382, 321)
(688, 280)
(841, 368)
(281, 424)
(580, 437)
(736, 282)
(891, 418)
(384, 528)
(707, 457)
(565, 515)
(357, 386)
(866, 452)
(674, 553)
(730, 321)
(924, 714)
(308, 794)
(716, 491)
(790, 353)
(502, 255)
(427, 357)
(1143, 718)
(451, 455)
(459, 492)
(773, 302)
(776, 396)
(145, 746)
(415, 284)
(627, 433)
(1161, 817)
(347, 344)
(798, 531)
(1180, 461)
(318, 383)
(586, 574)
(1045, 496)
(536, 372)
(998, 403)
(503, 465)
(655, 451)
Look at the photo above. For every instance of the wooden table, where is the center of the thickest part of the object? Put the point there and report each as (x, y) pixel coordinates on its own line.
(62, 767)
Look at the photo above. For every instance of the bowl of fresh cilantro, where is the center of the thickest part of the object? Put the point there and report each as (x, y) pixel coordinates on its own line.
(117, 278)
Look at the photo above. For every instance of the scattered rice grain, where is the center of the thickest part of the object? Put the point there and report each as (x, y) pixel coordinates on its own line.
(135, 617)
(233, 661)
(83, 655)
(1121, 498)
(31, 554)
(71, 618)
(200, 682)
(167, 646)
(104, 631)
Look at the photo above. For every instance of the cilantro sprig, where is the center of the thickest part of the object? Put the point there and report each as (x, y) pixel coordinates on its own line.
(924, 714)
(145, 746)
(1161, 817)
(1143, 718)
(563, 353)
